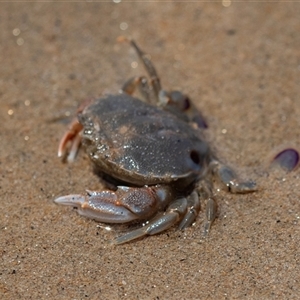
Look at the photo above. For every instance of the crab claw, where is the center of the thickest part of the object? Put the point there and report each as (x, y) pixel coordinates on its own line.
(99, 206)
(121, 206)
(70, 142)
(71, 200)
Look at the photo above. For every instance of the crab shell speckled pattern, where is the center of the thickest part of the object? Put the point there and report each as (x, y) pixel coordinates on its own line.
(142, 144)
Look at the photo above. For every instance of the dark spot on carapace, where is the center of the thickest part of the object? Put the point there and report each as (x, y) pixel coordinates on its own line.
(195, 157)
(186, 104)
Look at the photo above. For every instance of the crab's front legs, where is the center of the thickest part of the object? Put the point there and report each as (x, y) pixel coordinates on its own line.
(123, 205)
(128, 204)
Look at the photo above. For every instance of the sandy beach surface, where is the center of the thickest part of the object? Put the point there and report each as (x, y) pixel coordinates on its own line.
(239, 62)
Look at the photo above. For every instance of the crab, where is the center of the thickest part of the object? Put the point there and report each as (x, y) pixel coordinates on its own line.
(153, 154)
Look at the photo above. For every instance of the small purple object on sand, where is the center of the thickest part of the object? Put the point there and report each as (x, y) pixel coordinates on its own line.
(287, 159)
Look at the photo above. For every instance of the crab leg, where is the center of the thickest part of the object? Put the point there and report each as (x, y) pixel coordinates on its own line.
(140, 83)
(147, 64)
(211, 210)
(131, 84)
(193, 208)
(176, 101)
(176, 210)
(230, 179)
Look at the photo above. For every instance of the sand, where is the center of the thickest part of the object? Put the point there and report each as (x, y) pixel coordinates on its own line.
(241, 66)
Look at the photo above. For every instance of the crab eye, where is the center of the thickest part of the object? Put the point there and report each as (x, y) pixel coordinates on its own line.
(186, 103)
(194, 155)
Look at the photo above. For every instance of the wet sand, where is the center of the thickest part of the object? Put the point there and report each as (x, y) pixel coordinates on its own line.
(240, 65)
